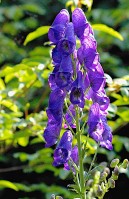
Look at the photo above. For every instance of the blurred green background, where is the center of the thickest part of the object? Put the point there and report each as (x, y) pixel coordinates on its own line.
(26, 169)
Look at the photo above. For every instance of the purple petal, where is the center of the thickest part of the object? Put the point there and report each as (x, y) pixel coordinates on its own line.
(63, 150)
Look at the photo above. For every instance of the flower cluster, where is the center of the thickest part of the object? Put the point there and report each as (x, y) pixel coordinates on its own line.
(77, 75)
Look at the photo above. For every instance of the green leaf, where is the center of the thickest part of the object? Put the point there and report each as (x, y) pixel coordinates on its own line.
(10, 105)
(108, 30)
(37, 33)
(8, 184)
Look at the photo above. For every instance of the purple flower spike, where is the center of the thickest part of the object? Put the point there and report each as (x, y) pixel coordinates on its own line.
(77, 92)
(57, 30)
(63, 150)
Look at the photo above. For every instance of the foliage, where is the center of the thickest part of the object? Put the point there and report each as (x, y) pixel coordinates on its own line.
(24, 93)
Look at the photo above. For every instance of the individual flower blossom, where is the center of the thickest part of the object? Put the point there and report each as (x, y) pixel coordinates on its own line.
(77, 91)
(56, 56)
(58, 28)
(81, 25)
(55, 114)
(106, 142)
(98, 128)
(63, 150)
(87, 52)
(63, 77)
(52, 131)
(67, 44)
(75, 159)
(51, 78)
(70, 114)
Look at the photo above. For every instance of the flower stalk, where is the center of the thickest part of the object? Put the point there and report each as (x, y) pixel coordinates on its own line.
(81, 166)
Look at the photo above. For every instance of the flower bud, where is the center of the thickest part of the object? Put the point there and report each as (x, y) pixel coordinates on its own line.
(103, 186)
(115, 173)
(99, 192)
(103, 176)
(89, 183)
(111, 183)
(125, 164)
(97, 177)
(59, 197)
(52, 196)
(107, 170)
(114, 162)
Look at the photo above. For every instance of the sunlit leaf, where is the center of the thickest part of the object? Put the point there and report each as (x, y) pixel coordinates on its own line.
(8, 184)
(108, 30)
(37, 33)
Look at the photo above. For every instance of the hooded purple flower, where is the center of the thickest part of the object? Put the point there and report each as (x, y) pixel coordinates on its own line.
(67, 44)
(74, 157)
(77, 92)
(63, 77)
(63, 150)
(54, 113)
(58, 28)
(81, 25)
(98, 128)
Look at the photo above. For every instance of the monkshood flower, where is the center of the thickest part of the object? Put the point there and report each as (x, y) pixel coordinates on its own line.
(74, 157)
(63, 150)
(63, 77)
(58, 28)
(98, 128)
(55, 114)
(77, 91)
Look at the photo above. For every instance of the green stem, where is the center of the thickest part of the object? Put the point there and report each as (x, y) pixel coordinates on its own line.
(81, 167)
(92, 163)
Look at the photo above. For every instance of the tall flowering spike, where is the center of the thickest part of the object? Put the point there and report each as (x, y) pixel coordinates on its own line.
(77, 92)
(63, 150)
(57, 30)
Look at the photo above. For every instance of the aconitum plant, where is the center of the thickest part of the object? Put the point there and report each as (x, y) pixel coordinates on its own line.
(76, 78)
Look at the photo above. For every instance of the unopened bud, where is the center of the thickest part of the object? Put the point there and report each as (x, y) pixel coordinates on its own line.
(99, 192)
(114, 162)
(107, 170)
(97, 177)
(59, 197)
(116, 170)
(111, 183)
(103, 176)
(52, 196)
(102, 186)
(89, 183)
(125, 164)
(115, 173)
